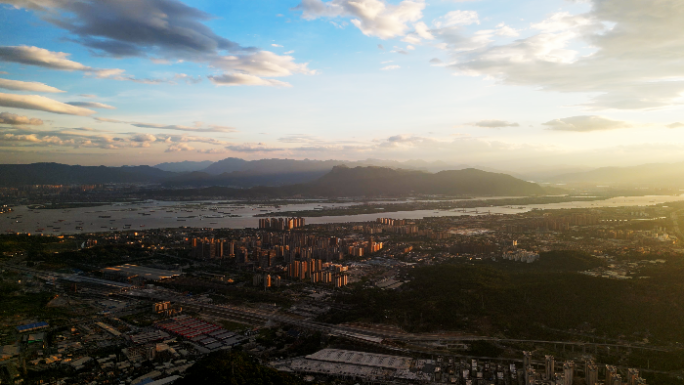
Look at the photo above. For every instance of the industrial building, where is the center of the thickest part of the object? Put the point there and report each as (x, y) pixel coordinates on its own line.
(134, 273)
(359, 365)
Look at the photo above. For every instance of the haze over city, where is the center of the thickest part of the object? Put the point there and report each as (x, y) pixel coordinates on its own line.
(507, 84)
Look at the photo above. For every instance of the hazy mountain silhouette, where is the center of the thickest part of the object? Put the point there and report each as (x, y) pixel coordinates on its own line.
(184, 166)
(646, 175)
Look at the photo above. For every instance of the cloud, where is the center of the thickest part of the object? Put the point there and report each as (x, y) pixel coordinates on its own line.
(40, 57)
(239, 79)
(250, 69)
(390, 67)
(211, 128)
(381, 47)
(41, 103)
(92, 105)
(276, 45)
(675, 125)
(456, 18)
(179, 147)
(58, 61)
(212, 151)
(17, 85)
(585, 124)
(108, 120)
(263, 63)
(161, 30)
(27, 137)
(187, 78)
(627, 54)
(495, 124)
(143, 140)
(198, 127)
(88, 96)
(373, 17)
(298, 138)
(260, 147)
(164, 28)
(14, 119)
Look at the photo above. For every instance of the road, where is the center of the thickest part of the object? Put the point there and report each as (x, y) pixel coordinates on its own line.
(370, 334)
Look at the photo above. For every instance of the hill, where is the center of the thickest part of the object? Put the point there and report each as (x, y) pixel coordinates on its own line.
(13, 175)
(375, 181)
(369, 181)
(184, 166)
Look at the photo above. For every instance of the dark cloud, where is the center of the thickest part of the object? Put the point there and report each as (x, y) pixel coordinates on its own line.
(166, 28)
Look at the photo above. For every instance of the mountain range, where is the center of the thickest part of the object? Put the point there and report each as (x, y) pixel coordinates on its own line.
(240, 173)
(372, 181)
(670, 175)
(338, 181)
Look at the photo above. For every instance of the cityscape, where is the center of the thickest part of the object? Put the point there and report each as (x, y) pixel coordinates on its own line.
(145, 306)
(341, 192)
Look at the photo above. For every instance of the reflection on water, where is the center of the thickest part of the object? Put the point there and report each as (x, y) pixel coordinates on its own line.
(155, 214)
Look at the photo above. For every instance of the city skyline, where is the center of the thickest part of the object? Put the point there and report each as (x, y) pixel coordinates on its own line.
(495, 83)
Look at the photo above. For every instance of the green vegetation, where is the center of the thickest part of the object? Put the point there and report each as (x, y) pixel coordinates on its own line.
(16, 243)
(226, 368)
(99, 255)
(543, 300)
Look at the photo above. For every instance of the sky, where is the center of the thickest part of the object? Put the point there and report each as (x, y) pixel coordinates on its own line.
(516, 85)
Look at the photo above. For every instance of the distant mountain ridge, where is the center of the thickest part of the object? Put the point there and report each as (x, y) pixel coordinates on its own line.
(240, 173)
(339, 181)
(184, 166)
(368, 181)
(373, 181)
(15, 175)
(654, 175)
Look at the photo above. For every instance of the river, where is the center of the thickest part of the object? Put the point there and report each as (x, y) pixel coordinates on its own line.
(164, 214)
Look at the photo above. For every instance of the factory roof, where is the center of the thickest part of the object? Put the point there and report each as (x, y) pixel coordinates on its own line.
(140, 271)
(362, 358)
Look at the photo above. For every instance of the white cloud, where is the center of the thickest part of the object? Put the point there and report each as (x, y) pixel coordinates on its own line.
(423, 31)
(276, 45)
(239, 79)
(373, 17)
(39, 57)
(17, 85)
(245, 147)
(14, 119)
(585, 124)
(262, 63)
(198, 127)
(179, 147)
(36, 102)
(675, 125)
(626, 53)
(456, 18)
(495, 124)
(92, 105)
(390, 67)
(212, 151)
